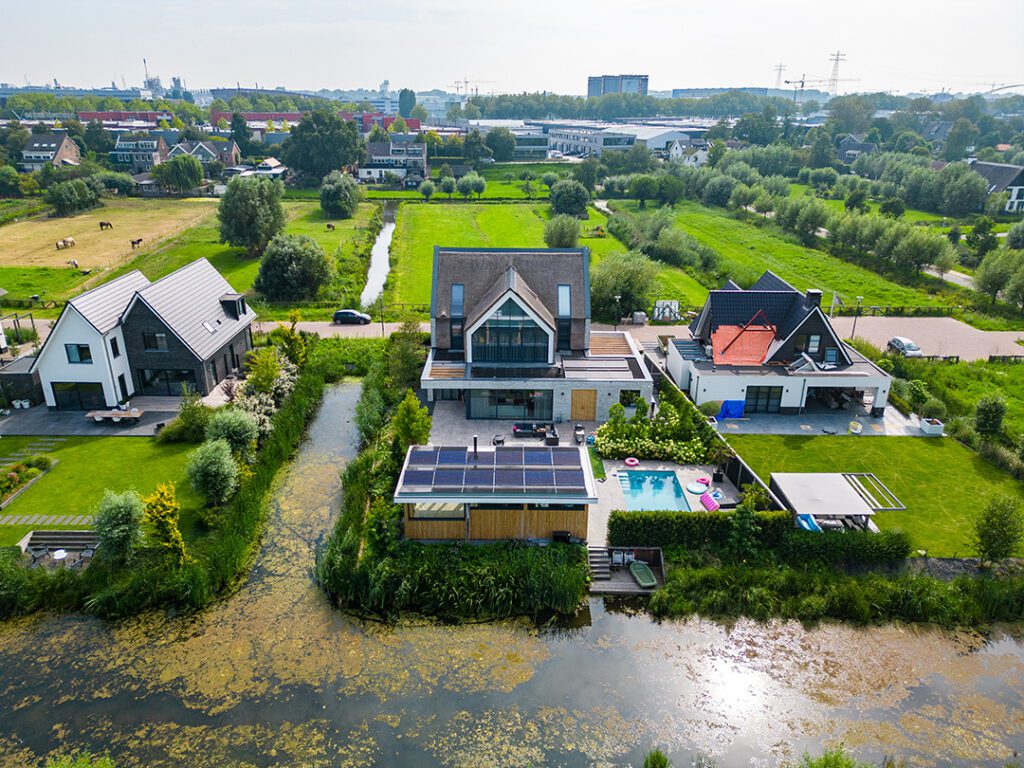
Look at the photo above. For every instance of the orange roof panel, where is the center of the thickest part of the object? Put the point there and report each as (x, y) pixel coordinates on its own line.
(742, 345)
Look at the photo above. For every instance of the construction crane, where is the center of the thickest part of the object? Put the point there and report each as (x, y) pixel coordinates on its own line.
(799, 85)
(779, 69)
(462, 87)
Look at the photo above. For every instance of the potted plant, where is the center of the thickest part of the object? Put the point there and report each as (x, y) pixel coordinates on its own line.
(932, 426)
(719, 454)
(932, 412)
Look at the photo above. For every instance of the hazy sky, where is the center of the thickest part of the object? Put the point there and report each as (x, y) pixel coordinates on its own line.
(898, 45)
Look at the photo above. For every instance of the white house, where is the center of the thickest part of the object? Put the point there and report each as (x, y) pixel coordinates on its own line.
(771, 349)
(1003, 177)
(688, 154)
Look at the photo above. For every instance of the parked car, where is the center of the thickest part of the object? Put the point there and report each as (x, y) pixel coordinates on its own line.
(350, 317)
(901, 345)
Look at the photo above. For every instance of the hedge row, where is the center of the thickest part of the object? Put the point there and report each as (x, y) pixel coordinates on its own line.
(694, 531)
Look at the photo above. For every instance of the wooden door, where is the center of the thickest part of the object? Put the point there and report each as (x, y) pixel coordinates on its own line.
(584, 405)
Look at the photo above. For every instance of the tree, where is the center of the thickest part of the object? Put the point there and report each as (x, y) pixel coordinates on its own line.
(988, 416)
(10, 182)
(962, 135)
(118, 521)
(893, 207)
(98, 139)
(527, 187)
(447, 185)
(586, 173)
(570, 197)
(718, 190)
(999, 529)
(643, 187)
(851, 114)
(378, 135)
(406, 102)
(293, 268)
(1015, 237)
(944, 262)
(339, 195)
(241, 134)
(69, 197)
(716, 152)
(857, 200)
(474, 148)
(994, 273)
(823, 153)
(479, 184)
(238, 428)
(562, 232)
(465, 186)
(180, 173)
(502, 144)
(630, 276)
(161, 510)
(212, 471)
(398, 125)
(419, 112)
(981, 237)
(322, 142)
(427, 189)
(411, 425)
(758, 127)
(250, 213)
(549, 179)
(262, 368)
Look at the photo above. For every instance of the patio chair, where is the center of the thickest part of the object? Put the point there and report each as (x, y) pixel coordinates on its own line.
(628, 557)
(618, 559)
(38, 553)
(87, 553)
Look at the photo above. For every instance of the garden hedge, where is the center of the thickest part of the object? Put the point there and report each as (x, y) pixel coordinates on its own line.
(692, 530)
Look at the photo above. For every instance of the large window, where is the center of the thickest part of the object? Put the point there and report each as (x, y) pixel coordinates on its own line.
(154, 342)
(763, 399)
(115, 349)
(156, 381)
(564, 317)
(78, 353)
(458, 304)
(78, 395)
(808, 343)
(510, 336)
(518, 404)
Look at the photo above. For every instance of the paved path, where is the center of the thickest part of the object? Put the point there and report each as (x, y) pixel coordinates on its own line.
(935, 335)
(46, 520)
(371, 331)
(953, 277)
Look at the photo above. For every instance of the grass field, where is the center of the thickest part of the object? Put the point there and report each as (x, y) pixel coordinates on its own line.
(748, 250)
(421, 227)
(11, 210)
(940, 482)
(911, 215)
(88, 466)
(31, 243)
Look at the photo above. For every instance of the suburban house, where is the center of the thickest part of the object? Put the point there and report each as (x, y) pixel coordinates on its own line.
(503, 492)
(141, 153)
(405, 159)
(271, 168)
(852, 146)
(1003, 177)
(206, 152)
(688, 153)
(49, 148)
(771, 349)
(510, 337)
(135, 337)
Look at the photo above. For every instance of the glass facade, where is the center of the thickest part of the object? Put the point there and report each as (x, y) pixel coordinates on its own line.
(457, 312)
(519, 404)
(564, 317)
(763, 399)
(165, 382)
(510, 336)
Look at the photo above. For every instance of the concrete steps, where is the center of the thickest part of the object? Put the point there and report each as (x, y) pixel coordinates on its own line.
(600, 564)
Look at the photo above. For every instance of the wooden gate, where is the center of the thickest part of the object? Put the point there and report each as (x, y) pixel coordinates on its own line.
(584, 405)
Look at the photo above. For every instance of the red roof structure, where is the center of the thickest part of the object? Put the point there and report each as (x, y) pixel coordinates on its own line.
(746, 344)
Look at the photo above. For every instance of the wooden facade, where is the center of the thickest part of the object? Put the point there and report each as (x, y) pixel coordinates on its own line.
(497, 524)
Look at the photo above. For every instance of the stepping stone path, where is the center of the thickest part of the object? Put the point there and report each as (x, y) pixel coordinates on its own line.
(46, 520)
(37, 446)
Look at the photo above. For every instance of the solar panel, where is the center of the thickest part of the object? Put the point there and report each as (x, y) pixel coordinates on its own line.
(480, 478)
(569, 478)
(449, 456)
(508, 456)
(419, 477)
(422, 456)
(537, 457)
(539, 477)
(570, 458)
(449, 477)
(481, 459)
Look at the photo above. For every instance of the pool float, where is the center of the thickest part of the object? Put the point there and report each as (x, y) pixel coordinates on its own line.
(632, 461)
(704, 480)
(696, 487)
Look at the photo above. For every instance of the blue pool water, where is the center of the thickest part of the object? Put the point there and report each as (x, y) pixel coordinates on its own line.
(652, 490)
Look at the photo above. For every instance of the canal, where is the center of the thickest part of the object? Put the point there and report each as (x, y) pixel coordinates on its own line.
(273, 676)
(380, 257)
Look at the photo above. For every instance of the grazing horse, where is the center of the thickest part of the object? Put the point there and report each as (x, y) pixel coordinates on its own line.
(60, 245)
(67, 242)
(73, 263)
(105, 225)
(136, 243)
(330, 227)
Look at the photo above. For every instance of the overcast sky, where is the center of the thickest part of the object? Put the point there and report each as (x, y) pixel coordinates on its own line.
(527, 45)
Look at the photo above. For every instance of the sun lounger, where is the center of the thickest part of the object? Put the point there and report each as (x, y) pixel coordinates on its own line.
(709, 502)
(617, 559)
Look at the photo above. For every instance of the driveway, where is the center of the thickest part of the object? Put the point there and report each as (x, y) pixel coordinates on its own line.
(935, 335)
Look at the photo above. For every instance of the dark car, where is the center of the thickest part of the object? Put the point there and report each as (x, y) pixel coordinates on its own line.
(350, 317)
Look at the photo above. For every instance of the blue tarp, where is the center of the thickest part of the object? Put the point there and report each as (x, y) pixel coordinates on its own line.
(731, 409)
(808, 523)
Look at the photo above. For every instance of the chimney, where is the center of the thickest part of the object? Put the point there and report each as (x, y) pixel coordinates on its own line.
(474, 447)
(812, 298)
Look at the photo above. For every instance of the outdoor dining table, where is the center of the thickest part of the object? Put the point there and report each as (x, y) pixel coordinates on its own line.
(59, 555)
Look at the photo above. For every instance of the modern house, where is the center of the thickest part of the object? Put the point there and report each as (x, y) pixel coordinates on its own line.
(1003, 177)
(49, 149)
(771, 349)
(206, 152)
(135, 337)
(271, 168)
(140, 153)
(510, 337)
(486, 494)
(585, 140)
(852, 146)
(405, 159)
(602, 85)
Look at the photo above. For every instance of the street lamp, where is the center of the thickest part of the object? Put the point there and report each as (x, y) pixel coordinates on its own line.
(856, 314)
(618, 310)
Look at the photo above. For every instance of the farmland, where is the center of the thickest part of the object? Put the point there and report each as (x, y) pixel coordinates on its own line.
(421, 227)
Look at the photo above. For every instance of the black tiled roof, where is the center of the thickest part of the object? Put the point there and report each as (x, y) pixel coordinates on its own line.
(782, 305)
(769, 281)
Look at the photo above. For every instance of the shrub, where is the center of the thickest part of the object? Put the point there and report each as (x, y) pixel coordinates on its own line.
(262, 369)
(933, 408)
(238, 428)
(118, 521)
(711, 407)
(988, 416)
(917, 393)
(339, 195)
(42, 463)
(999, 529)
(68, 197)
(845, 549)
(656, 759)
(212, 472)
(562, 232)
(190, 424)
(569, 197)
(161, 508)
(693, 531)
(293, 267)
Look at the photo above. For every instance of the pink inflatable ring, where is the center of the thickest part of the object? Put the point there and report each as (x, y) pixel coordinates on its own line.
(632, 462)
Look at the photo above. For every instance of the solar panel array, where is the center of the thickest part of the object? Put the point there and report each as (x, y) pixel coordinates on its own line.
(505, 470)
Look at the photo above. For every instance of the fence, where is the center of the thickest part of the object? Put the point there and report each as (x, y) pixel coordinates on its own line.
(1006, 358)
(899, 311)
(940, 358)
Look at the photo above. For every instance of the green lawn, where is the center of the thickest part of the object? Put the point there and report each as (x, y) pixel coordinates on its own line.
(911, 215)
(48, 282)
(940, 482)
(12, 210)
(748, 250)
(87, 466)
(421, 227)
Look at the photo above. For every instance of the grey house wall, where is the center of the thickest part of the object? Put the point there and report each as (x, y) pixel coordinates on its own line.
(141, 320)
(813, 325)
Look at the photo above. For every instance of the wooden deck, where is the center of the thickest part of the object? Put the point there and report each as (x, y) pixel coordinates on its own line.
(619, 581)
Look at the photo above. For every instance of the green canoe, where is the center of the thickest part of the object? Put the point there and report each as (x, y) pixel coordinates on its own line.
(642, 574)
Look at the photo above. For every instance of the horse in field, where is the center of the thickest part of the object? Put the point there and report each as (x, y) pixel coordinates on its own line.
(330, 227)
(136, 243)
(67, 242)
(105, 225)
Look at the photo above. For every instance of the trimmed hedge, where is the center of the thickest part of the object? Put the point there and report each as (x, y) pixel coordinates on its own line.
(692, 530)
(845, 548)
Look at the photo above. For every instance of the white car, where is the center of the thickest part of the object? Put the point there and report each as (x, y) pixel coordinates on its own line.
(901, 345)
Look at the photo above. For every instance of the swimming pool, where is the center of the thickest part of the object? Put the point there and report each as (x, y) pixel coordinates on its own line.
(650, 490)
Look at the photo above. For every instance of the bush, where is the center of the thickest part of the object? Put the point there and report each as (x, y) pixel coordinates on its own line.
(999, 529)
(710, 408)
(988, 416)
(569, 197)
(68, 197)
(212, 472)
(845, 549)
(562, 232)
(118, 525)
(339, 195)
(294, 267)
(933, 408)
(238, 428)
(190, 424)
(656, 759)
(693, 531)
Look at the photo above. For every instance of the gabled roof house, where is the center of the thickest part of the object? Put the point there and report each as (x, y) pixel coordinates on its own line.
(49, 148)
(771, 349)
(511, 337)
(1003, 177)
(135, 337)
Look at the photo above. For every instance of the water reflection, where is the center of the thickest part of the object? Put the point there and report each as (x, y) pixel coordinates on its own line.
(273, 676)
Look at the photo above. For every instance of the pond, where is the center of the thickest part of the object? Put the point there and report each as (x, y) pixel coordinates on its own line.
(273, 676)
(380, 257)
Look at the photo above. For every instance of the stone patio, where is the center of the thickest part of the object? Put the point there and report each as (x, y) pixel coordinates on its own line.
(451, 427)
(824, 422)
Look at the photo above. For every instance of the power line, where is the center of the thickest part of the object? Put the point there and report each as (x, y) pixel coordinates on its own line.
(779, 69)
(833, 81)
